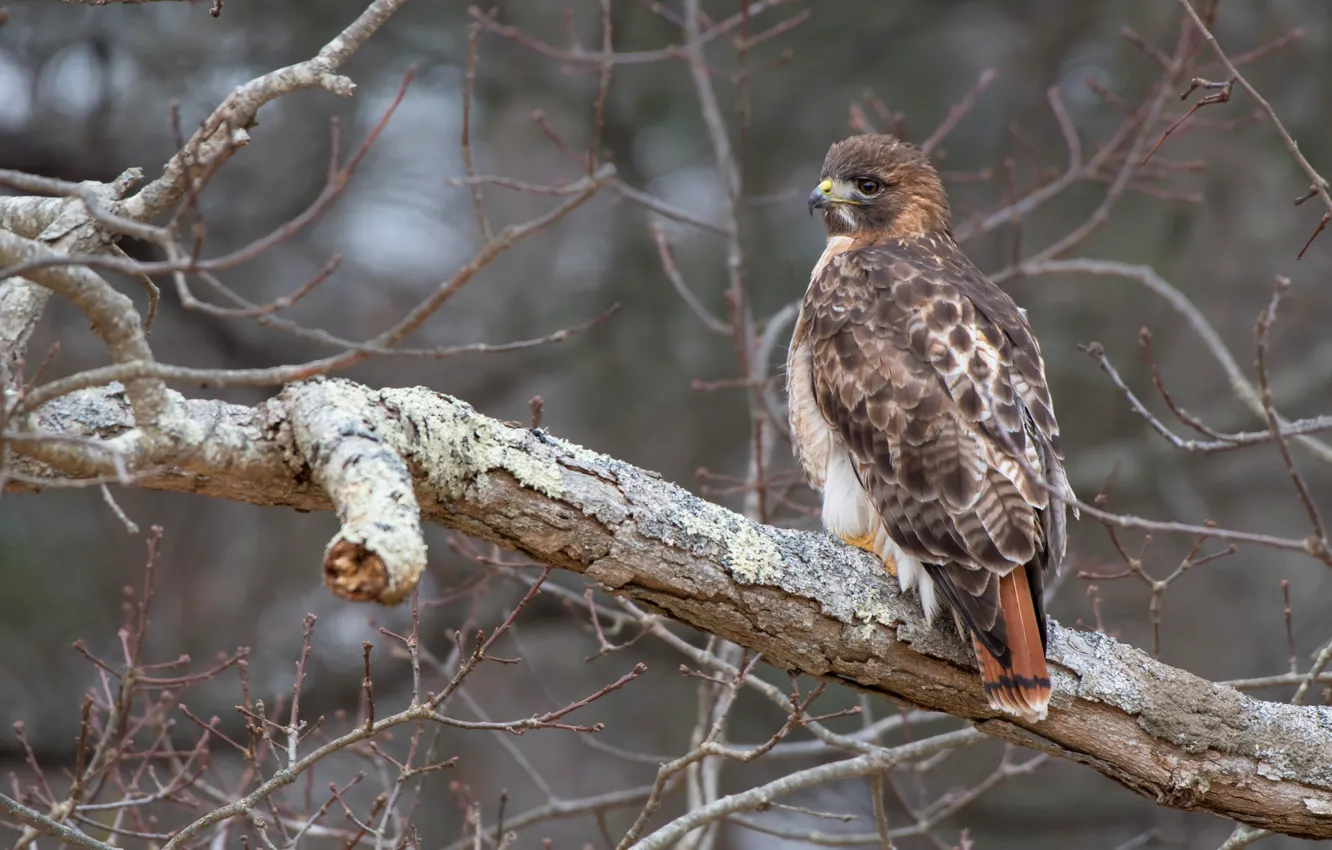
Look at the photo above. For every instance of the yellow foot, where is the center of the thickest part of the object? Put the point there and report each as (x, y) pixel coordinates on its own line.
(867, 543)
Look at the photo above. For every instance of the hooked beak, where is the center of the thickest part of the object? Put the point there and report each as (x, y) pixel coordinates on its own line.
(821, 198)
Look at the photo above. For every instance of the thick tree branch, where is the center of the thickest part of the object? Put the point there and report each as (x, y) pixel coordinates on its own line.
(110, 311)
(802, 599)
(21, 305)
(65, 224)
(379, 552)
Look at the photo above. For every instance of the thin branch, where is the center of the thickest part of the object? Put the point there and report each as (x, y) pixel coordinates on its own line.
(763, 795)
(1318, 185)
(1262, 331)
(44, 825)
(1321, 661)
(687, 295)
(469, 87)
(225, 131)
(1243, 388)
(959, 111)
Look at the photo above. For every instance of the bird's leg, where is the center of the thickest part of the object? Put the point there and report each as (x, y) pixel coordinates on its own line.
(867, 543)
(890, 564)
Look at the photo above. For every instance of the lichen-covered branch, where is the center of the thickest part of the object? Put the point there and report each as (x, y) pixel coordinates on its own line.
(802, 599)
(111, 313)
(379, 552)
(21, 305)
(64, 224)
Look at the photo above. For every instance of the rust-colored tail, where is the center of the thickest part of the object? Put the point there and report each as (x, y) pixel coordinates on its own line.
(1022, 686)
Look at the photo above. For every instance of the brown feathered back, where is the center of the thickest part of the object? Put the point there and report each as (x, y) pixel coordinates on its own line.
(931, 378)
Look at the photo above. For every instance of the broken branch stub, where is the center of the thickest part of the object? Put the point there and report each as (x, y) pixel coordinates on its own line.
(379, 552)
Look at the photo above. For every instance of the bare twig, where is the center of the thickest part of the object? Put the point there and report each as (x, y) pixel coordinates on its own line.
(469, 87)
(1262, 331)
(1222, 96)
(957, 112)
(763, 795)
(1318, 185)
(1243, 388)
(709, 321)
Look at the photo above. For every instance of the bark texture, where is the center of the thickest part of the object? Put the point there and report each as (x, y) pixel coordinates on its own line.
(803, 599)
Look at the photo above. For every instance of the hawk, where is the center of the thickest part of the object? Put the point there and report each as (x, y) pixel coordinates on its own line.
(919, 408)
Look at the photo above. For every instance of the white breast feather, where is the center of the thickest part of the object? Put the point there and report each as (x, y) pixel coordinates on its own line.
(811, 434)
(847, 510)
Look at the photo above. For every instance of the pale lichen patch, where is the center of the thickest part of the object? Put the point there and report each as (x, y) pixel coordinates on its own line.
(683, 521)
(871, 609)
(1270, 770)
(459, 447)
(753, 558)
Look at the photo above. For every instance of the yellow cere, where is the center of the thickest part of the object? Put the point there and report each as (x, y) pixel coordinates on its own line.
(825, 187)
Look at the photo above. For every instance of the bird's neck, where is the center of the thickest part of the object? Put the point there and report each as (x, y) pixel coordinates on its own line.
(837, 244)
(917, 221)
(903, 229)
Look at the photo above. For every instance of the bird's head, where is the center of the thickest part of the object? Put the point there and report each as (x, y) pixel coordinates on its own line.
(879, 186)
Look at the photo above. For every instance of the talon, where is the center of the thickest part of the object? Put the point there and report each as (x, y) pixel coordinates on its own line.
(865, 542)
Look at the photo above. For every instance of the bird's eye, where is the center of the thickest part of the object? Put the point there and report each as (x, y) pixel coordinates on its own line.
(868, 187)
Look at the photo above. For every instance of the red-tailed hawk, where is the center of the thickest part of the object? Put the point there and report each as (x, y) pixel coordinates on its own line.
(914, 385)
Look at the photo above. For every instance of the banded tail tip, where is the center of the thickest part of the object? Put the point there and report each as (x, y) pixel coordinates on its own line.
(1025, 696)
(1020, 683)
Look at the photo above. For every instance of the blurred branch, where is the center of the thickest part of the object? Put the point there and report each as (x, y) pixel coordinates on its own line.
(687, 295)
(595, 60)
(959, 110)
(1181, 740)
(1242, 837)
(947, 806)
(218, 4)
(569, 808)
(227, 129)
(1318, 184)
(44, 825)
(761, 797)
(1243, 388)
